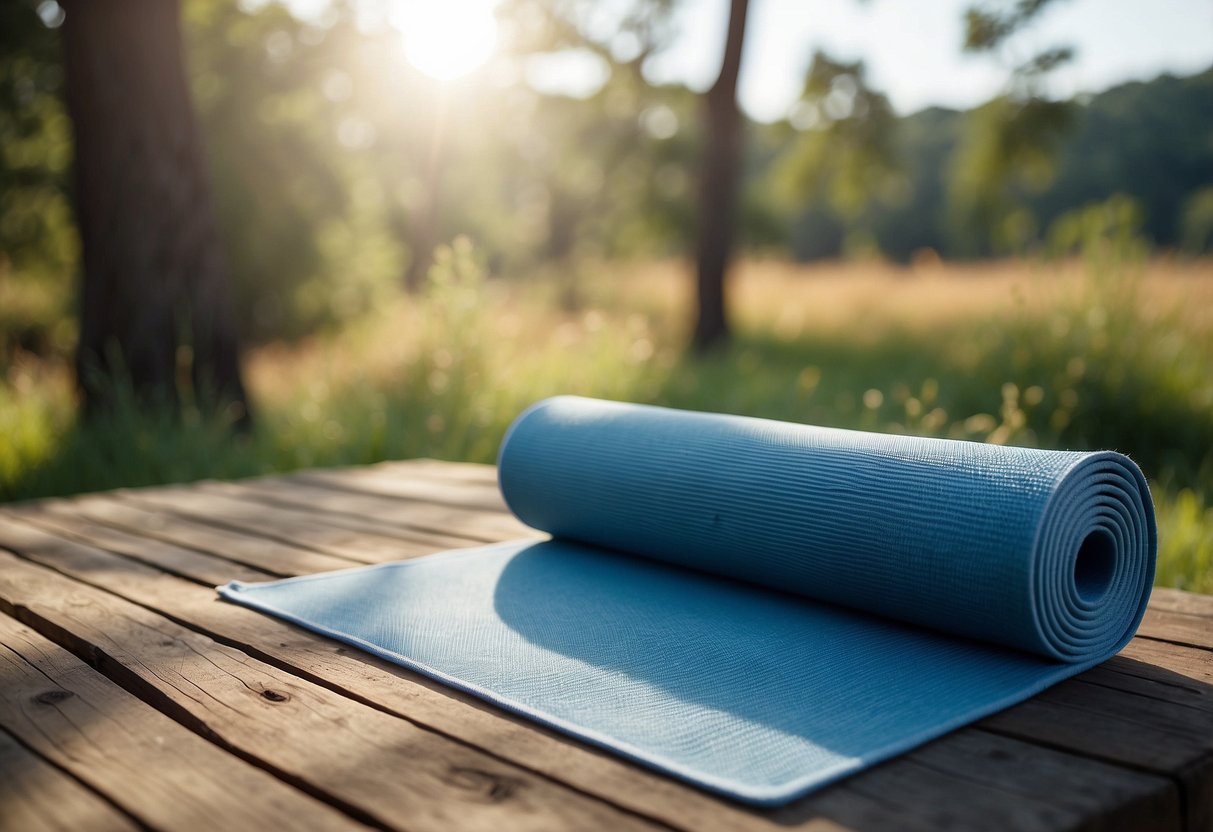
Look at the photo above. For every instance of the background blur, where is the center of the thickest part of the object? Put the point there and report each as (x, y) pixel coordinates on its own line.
(989, 223)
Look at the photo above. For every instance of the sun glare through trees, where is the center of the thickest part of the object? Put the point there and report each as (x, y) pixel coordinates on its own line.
(446, 40)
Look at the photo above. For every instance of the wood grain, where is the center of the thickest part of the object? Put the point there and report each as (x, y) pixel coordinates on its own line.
(37, 797)
(1178, 627)
(424, 468)
(1006, 784)
(293, 526)
(154, 769)
(265, 554)
(1175, 600)
(446, 526)
(61, 517)
(387, 482)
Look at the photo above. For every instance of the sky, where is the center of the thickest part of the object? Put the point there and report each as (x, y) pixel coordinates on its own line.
(912, 47)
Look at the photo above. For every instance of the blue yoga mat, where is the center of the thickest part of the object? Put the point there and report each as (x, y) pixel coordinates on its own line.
(756, 607)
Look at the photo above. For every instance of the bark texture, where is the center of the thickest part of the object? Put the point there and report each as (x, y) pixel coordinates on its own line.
(155, 307)
(718, 195)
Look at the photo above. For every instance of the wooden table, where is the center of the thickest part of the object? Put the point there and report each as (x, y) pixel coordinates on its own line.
(132, 697)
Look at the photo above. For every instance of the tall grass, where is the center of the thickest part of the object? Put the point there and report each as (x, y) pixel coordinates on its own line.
(1069, 354)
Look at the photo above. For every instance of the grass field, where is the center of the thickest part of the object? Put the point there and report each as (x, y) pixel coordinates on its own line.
(1072, 355)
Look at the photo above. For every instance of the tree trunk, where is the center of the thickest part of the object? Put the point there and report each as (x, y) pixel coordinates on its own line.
(718, 197)
(155, 311)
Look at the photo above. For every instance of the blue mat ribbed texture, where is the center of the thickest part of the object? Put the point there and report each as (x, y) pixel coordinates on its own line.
(759, 607)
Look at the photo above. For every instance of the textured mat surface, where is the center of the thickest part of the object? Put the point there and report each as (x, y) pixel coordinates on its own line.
(759, 607)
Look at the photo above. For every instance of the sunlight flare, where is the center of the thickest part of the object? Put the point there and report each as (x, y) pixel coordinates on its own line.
(447, 40)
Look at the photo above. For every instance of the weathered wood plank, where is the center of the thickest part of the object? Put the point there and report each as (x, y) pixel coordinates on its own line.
(394, 689)
(1178, 627)
(1184, 676)
(292, 526)
(424, 468)
(142, 761)
(61, 518)
(1164, 724)
(446, 527)
(37, 797)
(1184, 668)
(259, 553)
(1027, 786)
(369, 523)
(1176, 600)
(1108, 725)
(390, 770)
(387, 482)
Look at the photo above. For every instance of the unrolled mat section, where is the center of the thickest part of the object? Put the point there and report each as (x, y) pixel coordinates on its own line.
(759, 607)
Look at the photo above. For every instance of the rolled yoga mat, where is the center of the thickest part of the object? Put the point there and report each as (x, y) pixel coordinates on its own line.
(756, 607)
